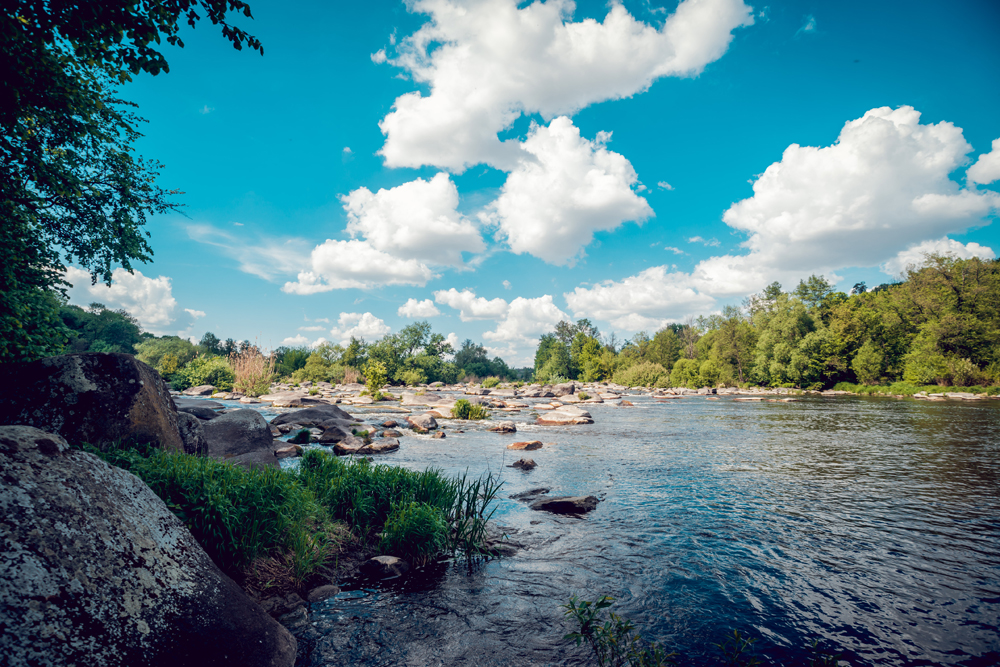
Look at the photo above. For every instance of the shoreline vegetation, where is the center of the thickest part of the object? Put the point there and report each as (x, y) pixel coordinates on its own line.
(276, 531)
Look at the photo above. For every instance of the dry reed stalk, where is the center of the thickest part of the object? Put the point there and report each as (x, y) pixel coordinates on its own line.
(253, 371)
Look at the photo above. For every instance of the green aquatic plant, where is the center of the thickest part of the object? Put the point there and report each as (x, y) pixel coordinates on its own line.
(301, 437)
(612, 638)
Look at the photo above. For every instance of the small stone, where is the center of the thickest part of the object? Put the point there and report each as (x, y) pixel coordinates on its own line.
(389, 424)
(626, 404)
(383, 567)
(503, 427)
(438, 435)
(524, 464)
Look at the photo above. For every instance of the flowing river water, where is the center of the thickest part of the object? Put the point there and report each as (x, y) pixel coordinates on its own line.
(869, 524)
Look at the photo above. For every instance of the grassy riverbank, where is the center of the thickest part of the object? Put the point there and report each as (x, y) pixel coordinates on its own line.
(275, 528)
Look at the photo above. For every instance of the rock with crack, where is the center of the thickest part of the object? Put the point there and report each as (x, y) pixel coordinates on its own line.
(98, 571)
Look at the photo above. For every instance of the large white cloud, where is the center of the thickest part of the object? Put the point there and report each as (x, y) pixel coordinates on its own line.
(149, 300)
(562, 190)
(644, 301)
(884, 185)
(526, 318)
(414, 309)
(359, 325)
(880, 195)
(345, 264)
(416, 220)
(914, 255)
(987, 167)
(470, 306)
(488, 61)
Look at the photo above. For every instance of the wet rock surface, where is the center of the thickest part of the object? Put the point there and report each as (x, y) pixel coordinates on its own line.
(97, 571)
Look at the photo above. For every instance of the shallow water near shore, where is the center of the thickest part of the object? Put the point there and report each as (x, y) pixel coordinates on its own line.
(869, 524)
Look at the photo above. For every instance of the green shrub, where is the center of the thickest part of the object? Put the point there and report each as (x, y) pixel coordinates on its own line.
(313, 391)
(490, 382)
(412, 377)
(375, 376)
(583, 396)
(613, 639)
(643, 374)
(215, 371)
(414, 531)
(465, 410)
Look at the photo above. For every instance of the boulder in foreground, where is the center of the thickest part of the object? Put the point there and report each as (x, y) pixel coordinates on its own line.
(241, 436)
(97, 571)
(95, 397)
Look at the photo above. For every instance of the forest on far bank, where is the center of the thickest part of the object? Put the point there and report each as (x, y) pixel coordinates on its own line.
(940, 325)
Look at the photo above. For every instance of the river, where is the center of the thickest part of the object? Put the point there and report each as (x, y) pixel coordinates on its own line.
(870, 525)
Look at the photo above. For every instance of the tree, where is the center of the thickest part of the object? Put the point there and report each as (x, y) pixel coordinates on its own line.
(70, 187)
(211, 344)
(813, 291)
(414, 337)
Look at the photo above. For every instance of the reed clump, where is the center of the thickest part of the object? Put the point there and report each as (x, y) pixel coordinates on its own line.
(254, 371)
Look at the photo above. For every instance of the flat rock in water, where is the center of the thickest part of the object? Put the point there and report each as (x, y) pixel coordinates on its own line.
(530, 445)
(98, 571)
(566, 504)
(565, 416)
(530, 495)
(410, 398)
(181, 403)
(503, 427)
(200, 390)
(312, 416)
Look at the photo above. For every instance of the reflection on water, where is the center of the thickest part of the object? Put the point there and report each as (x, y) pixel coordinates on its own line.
(870, 524)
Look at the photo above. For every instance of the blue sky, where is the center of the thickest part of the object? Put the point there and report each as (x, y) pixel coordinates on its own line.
(495, 167)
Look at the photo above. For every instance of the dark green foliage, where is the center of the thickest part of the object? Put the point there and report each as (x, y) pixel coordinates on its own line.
(290, 359)
(100, 329)
(473, 362)
(465, 410)
(71, 187)
(414, 531)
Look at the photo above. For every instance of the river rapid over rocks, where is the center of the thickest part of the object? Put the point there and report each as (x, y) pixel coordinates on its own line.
(869, 524)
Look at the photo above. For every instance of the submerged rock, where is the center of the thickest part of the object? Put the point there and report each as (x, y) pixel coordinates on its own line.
(566, 504)
(524, 464)
(98, 571)
(94, 397)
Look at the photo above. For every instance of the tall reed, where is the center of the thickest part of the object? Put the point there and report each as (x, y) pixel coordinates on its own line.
(254, 372)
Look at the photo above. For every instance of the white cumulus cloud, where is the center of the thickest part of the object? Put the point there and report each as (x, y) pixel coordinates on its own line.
(470, 306)
(486, 62)
(345, 264)
(359, 325)
(149, 300)
(526, 319)
(195, 313)
(987, 168)
(414, 309)
(564, 189)
(416, 220)
(914, 255)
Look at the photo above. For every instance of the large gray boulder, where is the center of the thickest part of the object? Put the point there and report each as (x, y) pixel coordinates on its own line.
(94, 397)
(312, 416)
(564, 389)
(241, 436)
(95, 570)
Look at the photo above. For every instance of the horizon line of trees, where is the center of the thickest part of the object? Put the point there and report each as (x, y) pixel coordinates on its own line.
(940, 325)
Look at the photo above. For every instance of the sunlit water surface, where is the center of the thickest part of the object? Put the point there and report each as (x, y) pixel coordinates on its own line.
(871, 525)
